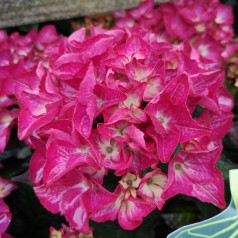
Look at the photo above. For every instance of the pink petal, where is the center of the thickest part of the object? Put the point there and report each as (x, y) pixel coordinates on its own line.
(6, 187)
(67, 66)
(135, 47)
(132, 211)
(166, 142)
(96, 198)
(135, 135)
(220, 123)
(107, 97)
(51, 197)
(175, 25)
(87, 104)
(63, 156)
(108, 212)
(36, 111)
(77, 37)
(194, 174)
(7, 121)
(226, 101)
(37, 163)
(5, 216)
(211, 81)
(178, 89)
(97, 45)
(152, 186)
(47, 35)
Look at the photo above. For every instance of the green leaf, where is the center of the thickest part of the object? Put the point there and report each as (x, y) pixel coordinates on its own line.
(148, 227)
(113, 229)
(206, 210)
(224, 165)
(180, 216)
(108, 230)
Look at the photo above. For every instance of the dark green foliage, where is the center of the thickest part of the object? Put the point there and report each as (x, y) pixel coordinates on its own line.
(29, 218)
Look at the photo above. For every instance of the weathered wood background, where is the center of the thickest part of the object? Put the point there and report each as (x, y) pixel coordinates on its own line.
(20, 12)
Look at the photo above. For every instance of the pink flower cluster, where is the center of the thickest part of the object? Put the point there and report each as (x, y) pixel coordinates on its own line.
(207, 25)
(121, 102)
(19, 56)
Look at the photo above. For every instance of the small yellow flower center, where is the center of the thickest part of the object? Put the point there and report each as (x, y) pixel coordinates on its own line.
(130, 183)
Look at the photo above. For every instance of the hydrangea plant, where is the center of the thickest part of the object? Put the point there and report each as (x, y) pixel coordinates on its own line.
(127, 101)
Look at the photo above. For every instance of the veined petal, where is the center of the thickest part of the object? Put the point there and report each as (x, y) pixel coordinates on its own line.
(132, 211)
(194, 174)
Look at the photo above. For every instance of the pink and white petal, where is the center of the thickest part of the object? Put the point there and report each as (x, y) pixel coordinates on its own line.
(194, 174)
(7, 121)
(152, 186)
(107, 97)
(97, 44)
(6, 101)
(96, 175)
(178, 89)
(5, 216)
(109, 212)
(110, 152)
(6, 187)
(77, 216)
(87, 103)
(77, 37)
(113, 130)
(166, 142)
(132, 211)
(225, 100)
(175, 25)
(86, 87)
(135, 135)
(83, 117)
(205, 82)
(36, 111)
(37, 164)
(67, 66)
(220, 123)
(224, 14)
(135, 47)
(51, 196)
(133, 115)
(97, 197)
(61, 158)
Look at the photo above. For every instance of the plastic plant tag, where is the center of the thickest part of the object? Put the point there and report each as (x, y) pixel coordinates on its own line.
(223, 225)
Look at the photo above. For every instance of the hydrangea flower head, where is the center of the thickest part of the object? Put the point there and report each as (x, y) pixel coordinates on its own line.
(121, 102)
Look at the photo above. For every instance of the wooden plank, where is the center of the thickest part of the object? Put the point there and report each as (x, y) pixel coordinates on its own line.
(20, 12)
